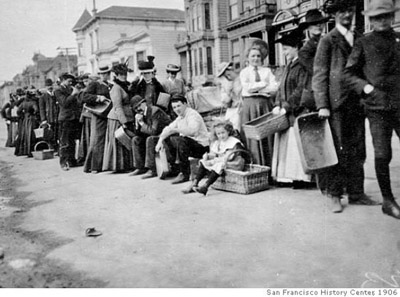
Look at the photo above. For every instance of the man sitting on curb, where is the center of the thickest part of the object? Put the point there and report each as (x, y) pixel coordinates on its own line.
(149, 122)
(186, 137)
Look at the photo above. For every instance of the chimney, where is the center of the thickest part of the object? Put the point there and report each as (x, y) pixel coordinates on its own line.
(94, 11)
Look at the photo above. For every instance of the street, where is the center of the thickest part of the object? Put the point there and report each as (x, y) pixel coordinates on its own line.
(153, 236)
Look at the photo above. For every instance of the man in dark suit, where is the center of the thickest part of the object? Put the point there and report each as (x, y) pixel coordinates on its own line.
(343, 109)
(48, 108)
(150, 121)
(373, 71)
(68, 118)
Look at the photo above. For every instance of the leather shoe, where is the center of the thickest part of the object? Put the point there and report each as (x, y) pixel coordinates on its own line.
(149, 174)
(138, 171)
(65, 167)
(336, 205)
(362, 199)
(202, 190)
(181, 178)
(391, 208)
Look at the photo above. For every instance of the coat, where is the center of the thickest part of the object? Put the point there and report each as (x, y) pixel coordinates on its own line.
(291, 88)
(155, 121)
(121, 109)
(70, 109)
(48, 108)
(139, 88)
(328, 83)
(375, 60)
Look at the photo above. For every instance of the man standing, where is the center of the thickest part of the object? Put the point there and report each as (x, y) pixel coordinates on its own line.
(186, 137)
(149, 122)
(373, 71)
(68, 118)
(342, 108)
(49, 112)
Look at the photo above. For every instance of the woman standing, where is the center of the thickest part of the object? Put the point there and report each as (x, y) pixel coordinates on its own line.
(117, 158)
(29, 110)
(258, 88)
(286, 162)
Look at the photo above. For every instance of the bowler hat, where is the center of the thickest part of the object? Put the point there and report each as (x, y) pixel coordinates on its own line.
(292, 39)
(333, 6)
(104, 69)
(48, 82)
(378, 7)
(222, 67)
(173, 68)
(313, 17)
(145, 66)
(136, 101)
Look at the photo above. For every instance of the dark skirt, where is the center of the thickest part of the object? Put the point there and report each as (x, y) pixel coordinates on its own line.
(84, 140)
(254, 107)
(95, 155)
(12, 131)
(26, 138)
(116, 157)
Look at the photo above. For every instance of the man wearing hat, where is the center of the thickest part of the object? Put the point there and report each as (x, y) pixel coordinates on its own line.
(150, 120)
(373, 71)
(231, 92)
(342, 108)
(94, 95)
(48, 108)
(68, 118)
(147, 86)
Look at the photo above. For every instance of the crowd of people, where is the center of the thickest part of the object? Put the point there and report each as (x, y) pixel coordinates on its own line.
(343, 76)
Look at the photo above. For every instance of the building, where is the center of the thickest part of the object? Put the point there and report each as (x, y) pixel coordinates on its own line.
(6, 88)
(127, 34)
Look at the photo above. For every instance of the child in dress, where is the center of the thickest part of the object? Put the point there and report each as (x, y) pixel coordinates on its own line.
(214, 162)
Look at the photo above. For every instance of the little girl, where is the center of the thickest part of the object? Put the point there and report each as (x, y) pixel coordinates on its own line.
(215, 161)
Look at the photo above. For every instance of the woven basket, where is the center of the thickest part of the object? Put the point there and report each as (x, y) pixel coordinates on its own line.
(124, 136)
(265, 125)
(253, 178)
(42, 151)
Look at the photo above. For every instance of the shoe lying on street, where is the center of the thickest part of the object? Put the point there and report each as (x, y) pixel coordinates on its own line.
(362, 199)
(92, 232)
(391, 208)
(181, 178)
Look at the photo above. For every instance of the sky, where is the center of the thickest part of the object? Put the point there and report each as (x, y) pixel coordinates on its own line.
(29, 26)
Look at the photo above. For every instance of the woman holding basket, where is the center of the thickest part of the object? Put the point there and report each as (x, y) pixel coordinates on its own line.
(258, 88)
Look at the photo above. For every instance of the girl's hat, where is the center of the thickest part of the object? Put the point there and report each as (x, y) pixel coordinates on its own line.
(173, 68)
(261, 45)
(292, 39)
(145, 66)
(104, 69)
(313, 17)
(120, 69)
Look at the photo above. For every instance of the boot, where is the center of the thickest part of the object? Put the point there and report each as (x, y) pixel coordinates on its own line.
(191, 187)
(391, 208)
(202, 190)
(335, 204)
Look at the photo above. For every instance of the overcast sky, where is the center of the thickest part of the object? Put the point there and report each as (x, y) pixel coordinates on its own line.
(29, 26)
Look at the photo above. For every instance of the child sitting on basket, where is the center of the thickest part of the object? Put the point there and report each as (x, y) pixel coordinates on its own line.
(223, 154)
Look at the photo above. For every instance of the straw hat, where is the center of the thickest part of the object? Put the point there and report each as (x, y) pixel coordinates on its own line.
(378, 7)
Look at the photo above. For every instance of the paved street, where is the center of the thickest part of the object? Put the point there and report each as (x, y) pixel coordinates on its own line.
(154, 236)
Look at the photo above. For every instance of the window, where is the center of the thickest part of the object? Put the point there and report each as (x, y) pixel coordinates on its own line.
(122, 60)
(194, 20)
(233, 9)
(140, 56)
(207, 16)
(195, 62)
(209, 61)
(80, 49)
(96, 34)
(198, 19)
(248, 4)
(235, 50)
(201, 61)
(91, 43)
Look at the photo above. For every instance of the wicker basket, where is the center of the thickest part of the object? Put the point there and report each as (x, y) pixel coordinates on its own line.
(265, 125)
(253, 178)
(42, 151)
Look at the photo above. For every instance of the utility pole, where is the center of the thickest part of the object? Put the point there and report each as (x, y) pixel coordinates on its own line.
(66, 52)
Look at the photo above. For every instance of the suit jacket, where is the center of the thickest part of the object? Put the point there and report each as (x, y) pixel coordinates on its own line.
(70, 109)
(155, 121)
(48, 108)
(139, 88)
(375, 60)
(328, 82)
(95, 88)
(121, 109)
(290, 89)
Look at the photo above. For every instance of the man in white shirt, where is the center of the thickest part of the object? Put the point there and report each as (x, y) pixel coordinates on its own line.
(185, 137)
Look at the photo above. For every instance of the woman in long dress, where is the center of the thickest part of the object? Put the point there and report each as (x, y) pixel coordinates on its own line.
(258, 88)
(286, 162)
(118, 158)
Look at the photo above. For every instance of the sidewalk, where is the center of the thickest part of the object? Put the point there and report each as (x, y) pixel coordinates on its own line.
(154, 236)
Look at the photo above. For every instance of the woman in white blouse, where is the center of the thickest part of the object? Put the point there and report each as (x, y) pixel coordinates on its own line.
(258, 86)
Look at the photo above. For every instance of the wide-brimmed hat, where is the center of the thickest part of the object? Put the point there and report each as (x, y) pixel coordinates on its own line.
(293, 38)
(66, 76)
(173, 68)
(313, 17)
(104, 69)
(333, 6)
(48, 82)
(136, 101)
(145, 66)
(120, 69)
(378, 7)
(222, 67)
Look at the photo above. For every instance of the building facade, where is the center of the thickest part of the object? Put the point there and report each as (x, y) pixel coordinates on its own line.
(127, 34)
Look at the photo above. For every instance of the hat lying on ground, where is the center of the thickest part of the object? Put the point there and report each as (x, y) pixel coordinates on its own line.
(222, 67)
(313, 17)
(378, 7)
